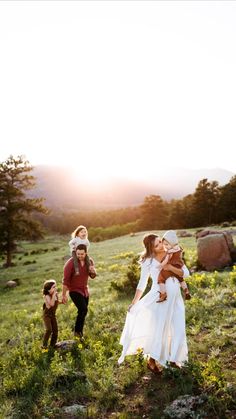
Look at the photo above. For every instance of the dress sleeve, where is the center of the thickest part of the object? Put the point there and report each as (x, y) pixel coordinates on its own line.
(185, 271)
(144, 275)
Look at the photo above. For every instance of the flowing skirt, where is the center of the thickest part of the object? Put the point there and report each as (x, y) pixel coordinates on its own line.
(157, 328)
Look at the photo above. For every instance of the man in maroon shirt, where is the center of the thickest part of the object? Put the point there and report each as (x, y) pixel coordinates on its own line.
(77, 285)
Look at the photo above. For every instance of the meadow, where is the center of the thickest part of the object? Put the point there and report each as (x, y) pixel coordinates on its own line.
(38, 384)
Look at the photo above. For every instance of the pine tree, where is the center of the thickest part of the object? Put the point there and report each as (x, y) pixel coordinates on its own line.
(205, 201)
(154, 213)
(16, 208)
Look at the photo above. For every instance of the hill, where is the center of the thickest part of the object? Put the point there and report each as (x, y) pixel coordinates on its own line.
(62, 188)
(36, 384)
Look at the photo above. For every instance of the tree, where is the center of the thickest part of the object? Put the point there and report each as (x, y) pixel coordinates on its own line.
(227, 202)
(16, 209)
(177, 214)
(205, 202)
(154, 213)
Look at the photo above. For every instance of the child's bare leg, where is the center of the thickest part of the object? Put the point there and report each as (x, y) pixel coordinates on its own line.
(76, 263)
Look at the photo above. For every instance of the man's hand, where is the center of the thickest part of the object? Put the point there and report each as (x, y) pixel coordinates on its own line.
(64, 299)
(92, 272)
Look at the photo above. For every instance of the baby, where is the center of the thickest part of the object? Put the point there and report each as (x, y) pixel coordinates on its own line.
(174, 251)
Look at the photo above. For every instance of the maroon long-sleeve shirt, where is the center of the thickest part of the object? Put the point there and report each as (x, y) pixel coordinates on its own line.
(78, 283)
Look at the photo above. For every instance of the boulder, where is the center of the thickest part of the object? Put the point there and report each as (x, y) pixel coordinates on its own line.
(213, 252)
(74, 409)
(11, 284)
(66, 345)
(183, 233)
(228, 238)
(186, 406)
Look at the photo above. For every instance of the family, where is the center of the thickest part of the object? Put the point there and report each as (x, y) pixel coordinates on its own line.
(77, 271)
(154, 323)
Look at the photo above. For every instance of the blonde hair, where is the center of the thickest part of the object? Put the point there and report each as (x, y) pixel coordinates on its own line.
(77, 230)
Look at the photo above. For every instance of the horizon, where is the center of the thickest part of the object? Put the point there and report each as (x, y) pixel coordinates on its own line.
(77, 192)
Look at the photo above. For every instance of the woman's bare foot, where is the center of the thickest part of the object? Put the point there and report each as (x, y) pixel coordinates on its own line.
(174, 365)
(152, 366)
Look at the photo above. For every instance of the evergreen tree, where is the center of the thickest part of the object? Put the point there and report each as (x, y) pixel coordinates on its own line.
(16, 209)
(154, 213)
(205, 202)
(177, 214)
(227, 202)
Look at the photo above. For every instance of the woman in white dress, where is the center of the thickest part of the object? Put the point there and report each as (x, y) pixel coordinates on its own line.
(157, 329)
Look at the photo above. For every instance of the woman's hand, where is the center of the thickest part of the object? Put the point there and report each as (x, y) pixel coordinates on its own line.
(130, 306)
(174, 270)
(167, 267)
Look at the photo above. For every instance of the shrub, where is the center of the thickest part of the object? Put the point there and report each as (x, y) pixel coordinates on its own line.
(233, 276)
(128, 284)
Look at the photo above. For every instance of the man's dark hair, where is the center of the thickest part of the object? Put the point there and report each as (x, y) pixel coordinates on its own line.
(81, 247)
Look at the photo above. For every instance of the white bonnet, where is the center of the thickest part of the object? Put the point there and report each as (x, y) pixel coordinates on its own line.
(171, 237)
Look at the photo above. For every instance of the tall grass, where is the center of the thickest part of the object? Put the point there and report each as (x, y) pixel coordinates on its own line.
(36, 384)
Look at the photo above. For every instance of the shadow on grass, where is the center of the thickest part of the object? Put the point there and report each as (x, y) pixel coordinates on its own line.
(43, 382)
(150, 394)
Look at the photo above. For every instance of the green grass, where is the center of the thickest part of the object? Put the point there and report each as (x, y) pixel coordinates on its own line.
(36, 384)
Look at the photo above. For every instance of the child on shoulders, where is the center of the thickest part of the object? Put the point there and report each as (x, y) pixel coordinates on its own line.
(79, 236)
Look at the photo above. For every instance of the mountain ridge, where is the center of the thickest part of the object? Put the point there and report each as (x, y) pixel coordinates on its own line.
(62, 188)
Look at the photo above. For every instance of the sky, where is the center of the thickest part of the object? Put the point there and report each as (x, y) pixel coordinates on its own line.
(123, 88)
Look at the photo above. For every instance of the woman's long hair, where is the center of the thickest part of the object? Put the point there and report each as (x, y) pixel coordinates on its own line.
(148, 242)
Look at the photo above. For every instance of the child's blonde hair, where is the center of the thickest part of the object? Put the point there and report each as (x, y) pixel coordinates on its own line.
(48, 285)
(77, 230)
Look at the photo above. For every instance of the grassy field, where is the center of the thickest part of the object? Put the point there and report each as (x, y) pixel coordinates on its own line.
(37, 384)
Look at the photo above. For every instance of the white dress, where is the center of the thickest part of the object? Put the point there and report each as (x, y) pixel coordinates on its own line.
(156, 328)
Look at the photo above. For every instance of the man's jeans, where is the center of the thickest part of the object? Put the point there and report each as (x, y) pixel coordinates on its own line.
(81, 303)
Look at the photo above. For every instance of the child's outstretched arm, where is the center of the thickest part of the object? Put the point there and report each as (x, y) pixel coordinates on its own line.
(165, 261)
(59, 300)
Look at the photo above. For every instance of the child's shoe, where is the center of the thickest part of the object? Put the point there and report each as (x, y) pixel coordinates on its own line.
(163, 297)
(187, 294)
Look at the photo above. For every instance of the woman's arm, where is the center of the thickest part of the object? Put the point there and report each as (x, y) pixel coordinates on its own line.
(145, 272)
(176, 271)
(182, 272)
(137, 296)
